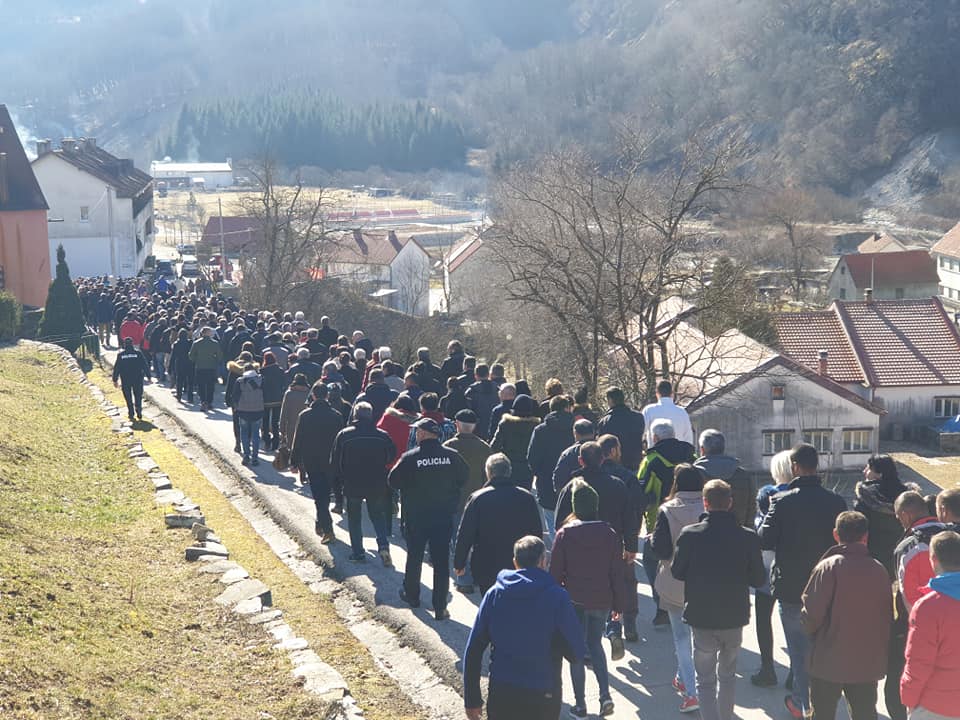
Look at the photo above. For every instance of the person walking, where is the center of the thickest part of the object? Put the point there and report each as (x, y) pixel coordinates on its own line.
(847, 611)
(666, 409)
(930, 687)
(568, 464)
(474, 452)
(205, 354)
(248, 407)
(378, 394)
(716, 465)
(130, 368)
(506, 393)
(876, 495)
(627, 425)
(531, 624)
(763, 597)
(360, 457)
(397, 421)
(682, 509)
(587, 560)
(512, 438)
(182, 367)
(274, 385)
(799, 529)
(313, 440)
(495, 517)
(547, 442)
(294, 402)
(719, 561)
(483, 397)
(429, 479)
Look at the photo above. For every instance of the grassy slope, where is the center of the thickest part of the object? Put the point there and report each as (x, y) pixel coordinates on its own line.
(100, 617)
(312, 617)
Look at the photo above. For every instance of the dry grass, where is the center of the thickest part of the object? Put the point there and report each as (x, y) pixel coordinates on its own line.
(312, 617)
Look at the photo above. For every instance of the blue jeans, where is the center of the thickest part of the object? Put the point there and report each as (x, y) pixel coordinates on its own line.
(715, 659)
(683, 646)
(159, 365)
(250, 433)
(378, 510)
(798, 648)
(593, 622)
(548, 521)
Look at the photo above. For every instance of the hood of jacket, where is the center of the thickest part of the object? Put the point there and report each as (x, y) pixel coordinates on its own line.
(525, 583)
(509, 419)
(558, 420)
(400, 415)
(236, 368)
(673, 450)
(718, 467)
(251, 377)
(868, 492)
(947, 584)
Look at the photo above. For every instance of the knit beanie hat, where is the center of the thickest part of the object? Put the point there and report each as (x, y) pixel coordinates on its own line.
(586, 502)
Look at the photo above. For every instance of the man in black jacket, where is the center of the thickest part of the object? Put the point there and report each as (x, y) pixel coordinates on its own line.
(303, 364)
(496, 516)
(131, 367)
(627, 425)
(550, 438)
(429, 478)
(483, 397)
(718, 561)
(378, 394)
(799, 528)
(359, 459)
(453, 365)
(317, 428)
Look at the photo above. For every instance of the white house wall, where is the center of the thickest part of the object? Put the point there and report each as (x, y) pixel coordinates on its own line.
(410, 276)
(744, 413)
(912, 406)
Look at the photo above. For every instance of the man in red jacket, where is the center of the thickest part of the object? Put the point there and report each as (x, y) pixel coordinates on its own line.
(930, 686)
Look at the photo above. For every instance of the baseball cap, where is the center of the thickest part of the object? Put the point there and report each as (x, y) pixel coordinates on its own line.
(466, 416)
(427, 425)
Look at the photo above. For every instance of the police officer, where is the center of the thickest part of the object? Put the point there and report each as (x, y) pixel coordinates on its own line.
(429, 478)
(131, 367)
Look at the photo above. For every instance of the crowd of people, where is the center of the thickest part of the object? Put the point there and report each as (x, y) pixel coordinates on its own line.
(544, 507)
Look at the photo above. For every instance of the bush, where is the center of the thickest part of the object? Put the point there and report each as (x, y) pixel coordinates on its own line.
(62, 321)
(10, 312)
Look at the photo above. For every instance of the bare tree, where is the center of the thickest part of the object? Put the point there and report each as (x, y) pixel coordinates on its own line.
(295, 236)
(601, 249)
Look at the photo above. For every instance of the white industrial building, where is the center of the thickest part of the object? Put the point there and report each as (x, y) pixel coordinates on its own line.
(101, 207)
(207, 176)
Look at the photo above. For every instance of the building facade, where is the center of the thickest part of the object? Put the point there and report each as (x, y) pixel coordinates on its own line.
(207, 176)
(101, 207)
(890, 275)
(946, 255)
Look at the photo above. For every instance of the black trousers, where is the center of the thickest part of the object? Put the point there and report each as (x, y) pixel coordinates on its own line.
(185, 383)
(895, 663)
(437, 534)
(764, 607)
(861, 699)
(206, 380)
(320, 489)
(506, 702)
(133, 395)
(270, 430)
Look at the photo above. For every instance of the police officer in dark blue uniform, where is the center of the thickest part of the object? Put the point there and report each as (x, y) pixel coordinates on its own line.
(131, 368)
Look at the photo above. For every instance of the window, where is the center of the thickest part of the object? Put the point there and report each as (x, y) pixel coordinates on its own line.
(899, 293)
(946, 407)
(843, 293)
(777, 392)
(822, 440)
(940, 261)
(843, 269)
(857, 441)
(775, 441)
(84, 213)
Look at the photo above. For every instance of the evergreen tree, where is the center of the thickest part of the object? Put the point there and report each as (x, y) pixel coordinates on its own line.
(62, 321)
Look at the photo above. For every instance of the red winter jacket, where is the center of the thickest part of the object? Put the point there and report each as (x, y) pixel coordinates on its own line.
(132, 329)
(931, 677)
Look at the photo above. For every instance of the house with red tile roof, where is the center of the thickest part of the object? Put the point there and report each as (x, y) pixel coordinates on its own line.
(881, 242)
(902, 355)
(891, 276)
(24, 248)
(946, 254)
(241, 234)
(468, 276)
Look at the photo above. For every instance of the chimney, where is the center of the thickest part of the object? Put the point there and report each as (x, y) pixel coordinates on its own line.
(822, 366)
(68, 144)
(361, 243)
(125, 166)
(89, 143)
(4, 183)
(876, 237)
(868, 295)
(392, 236)
(43, 148)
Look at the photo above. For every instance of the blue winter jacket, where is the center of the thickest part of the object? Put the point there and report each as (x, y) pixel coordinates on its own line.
(530, 621)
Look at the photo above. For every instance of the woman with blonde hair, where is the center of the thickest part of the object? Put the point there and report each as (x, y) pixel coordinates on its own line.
(780, 471)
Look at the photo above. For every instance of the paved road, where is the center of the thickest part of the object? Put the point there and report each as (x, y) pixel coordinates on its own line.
(640, 683)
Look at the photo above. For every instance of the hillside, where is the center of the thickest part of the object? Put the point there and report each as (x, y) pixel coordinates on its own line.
(831, 91)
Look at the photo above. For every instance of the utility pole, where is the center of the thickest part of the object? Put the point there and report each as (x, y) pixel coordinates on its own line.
(223, 250)
(113, 250)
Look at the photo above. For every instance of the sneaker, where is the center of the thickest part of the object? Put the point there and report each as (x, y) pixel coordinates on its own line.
(441, 615)
(578, 711)
(631, 636)
(689, 704)
(130, 417)
(385, 557)
(255, 462)
(767, 677)
(465, 589)
(403, 596)
(616, 648)
(245, 461)
(327, 538)
(238, 450)
(795, 710)
(606, 707)
(337, 509)
(679, 686)
(360, 559)
(140, 417)
(661, 618)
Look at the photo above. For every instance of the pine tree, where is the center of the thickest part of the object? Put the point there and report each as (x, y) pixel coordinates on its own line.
(62, 321)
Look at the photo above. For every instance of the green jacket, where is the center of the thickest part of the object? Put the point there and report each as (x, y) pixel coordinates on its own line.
(656, 474)
(205, 354)
(475, 452)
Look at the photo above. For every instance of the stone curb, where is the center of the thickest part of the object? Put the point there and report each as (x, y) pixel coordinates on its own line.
(243, 595)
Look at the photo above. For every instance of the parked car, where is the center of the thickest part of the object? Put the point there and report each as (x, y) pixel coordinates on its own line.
(164, 267)
(190, 269)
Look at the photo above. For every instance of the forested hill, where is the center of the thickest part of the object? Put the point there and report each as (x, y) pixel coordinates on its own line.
(831, 90)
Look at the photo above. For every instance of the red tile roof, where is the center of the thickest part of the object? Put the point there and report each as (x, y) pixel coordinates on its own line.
(891, 269)
(949, 244)
(460, 254)
(360, 248)
(803, 335)
(23, 190)
(239, 233)
(903, 342)
(900, 343)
